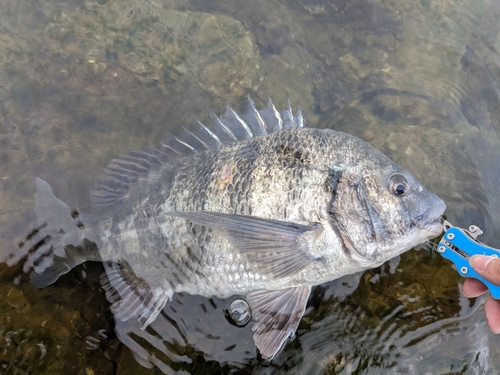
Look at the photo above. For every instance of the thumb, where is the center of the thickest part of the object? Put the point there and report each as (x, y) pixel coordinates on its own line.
(487, 266)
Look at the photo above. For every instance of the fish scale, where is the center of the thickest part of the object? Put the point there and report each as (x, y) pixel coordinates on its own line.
(253, 204)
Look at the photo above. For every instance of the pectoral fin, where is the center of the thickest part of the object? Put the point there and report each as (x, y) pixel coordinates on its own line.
(277, 314)
(276, 248)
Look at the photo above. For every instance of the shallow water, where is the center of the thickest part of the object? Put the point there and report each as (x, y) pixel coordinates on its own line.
(82, 82)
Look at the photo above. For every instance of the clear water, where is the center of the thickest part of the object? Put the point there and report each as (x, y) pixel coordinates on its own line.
(82, 82)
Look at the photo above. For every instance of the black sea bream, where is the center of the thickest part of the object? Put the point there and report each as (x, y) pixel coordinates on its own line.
(254, 204)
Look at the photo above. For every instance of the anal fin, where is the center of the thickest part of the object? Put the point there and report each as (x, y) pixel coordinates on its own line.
(277, 314)
(131, 296)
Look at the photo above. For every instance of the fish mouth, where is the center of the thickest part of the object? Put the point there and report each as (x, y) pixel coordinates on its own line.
(430, 220)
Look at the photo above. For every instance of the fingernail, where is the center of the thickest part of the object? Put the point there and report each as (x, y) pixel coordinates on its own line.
(479, 262)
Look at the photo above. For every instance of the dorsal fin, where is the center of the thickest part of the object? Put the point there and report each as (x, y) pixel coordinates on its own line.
(116, 180)
(287, 115)
(254, 119)
(272, 117)
(238, 126)
(298, 118)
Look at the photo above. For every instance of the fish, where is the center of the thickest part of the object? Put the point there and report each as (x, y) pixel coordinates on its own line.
(255, 204)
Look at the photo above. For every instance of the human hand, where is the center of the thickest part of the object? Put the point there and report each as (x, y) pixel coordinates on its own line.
(489, 268)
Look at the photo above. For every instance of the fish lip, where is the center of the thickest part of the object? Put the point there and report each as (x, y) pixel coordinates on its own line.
(435, 227)
(430, 220)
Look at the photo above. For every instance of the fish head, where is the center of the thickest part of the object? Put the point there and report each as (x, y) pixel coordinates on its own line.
(378, 208)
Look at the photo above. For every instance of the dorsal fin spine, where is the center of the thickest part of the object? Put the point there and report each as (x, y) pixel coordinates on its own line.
(185, 144)
(209, 132)
(217, 122)
(288, 114)
(275, 111)
(298, 118)
(169, 147)
(289, 104)
(241, 121)
(257, 115)
(196, 137)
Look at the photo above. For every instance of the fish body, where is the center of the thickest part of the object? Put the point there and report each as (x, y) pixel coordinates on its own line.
(255, 204)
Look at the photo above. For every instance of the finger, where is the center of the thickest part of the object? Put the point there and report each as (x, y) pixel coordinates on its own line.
(492, 311)
(486, 266)
(473, 288)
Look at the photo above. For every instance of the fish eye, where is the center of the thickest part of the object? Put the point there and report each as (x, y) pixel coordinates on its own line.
(398, 185)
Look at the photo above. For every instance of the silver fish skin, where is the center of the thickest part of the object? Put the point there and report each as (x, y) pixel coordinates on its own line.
(255, 204)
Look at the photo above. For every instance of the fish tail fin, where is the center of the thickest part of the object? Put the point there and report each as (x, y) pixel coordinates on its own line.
(56, 245)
